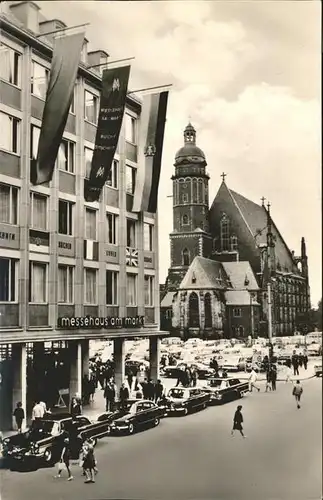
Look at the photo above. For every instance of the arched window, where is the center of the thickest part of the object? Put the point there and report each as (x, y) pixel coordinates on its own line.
(193, 311)
(200, 196)
(225, 233)
(208, 310)
(206, 201)
(234, 243)
(185, 220)
(186, 257)
(194, 190)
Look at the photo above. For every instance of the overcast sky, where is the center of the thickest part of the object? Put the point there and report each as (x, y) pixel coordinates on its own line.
(247, 73)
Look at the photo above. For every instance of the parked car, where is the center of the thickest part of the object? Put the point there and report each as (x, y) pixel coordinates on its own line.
(234, 364)
(182, 400)
(138, 414)
(318, 370)
(203, 371)
(223, 390)
(44, 440)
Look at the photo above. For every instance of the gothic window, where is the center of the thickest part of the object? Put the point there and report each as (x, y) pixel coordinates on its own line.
(206, 201)
(193, 311)
(185, 220)
(200, 191)
(194, 190)
(225, 233)
(234, 243)
(208, 310)
(184, 198)
(186, 257)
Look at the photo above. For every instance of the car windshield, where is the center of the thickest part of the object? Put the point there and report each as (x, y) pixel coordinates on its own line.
(177, 393)
(216, 382)
(43, 427)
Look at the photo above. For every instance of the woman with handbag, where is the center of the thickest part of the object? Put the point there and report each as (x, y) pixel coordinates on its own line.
(65, 460)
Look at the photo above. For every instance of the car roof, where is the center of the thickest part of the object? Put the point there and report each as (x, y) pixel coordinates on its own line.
(57, 416)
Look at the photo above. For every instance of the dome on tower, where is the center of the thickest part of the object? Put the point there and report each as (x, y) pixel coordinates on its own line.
(189, 153)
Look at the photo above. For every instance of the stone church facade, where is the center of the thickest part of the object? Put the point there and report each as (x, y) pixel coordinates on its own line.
(224, 257)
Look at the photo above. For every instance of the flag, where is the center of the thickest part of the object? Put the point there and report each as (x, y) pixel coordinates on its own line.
(63, 72)
(131, 257)
(112, 104)
(153, 117)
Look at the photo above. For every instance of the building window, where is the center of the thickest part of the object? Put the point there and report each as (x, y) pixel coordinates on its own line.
(184, 198)
(8, 284)
(91, 107)
(10, 65)
(90, 295)
(65, 217)
(130, 126)
(186, 257)
(193, 311)
(237, 312)
(88, 154)
(8, 204)
(225, 234)
(34, 141)
(66, 156)
(130, 179)
(200, 191)
(131, 289)
(10, 133)
(148, 237)
(131, 233)
(65, 284)
(208, 310)
(112, 228)
(149, 291)
(39, 80)
(234, 243)
(194, 190)
(111, 288)
(38, 208)
(112, 179)
(38, 282)
(185, 220)
(90, 224)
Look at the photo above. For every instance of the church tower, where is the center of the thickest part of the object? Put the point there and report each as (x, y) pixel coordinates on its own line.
(190, 236)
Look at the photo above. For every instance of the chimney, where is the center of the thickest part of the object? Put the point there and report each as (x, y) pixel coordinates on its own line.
(98, 59)
(47, 26)
(28, 14)
(84, 56)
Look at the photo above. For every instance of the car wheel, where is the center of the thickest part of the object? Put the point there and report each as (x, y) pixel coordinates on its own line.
(156, 422)
(131, 429)
(48, 456)
(204, 406)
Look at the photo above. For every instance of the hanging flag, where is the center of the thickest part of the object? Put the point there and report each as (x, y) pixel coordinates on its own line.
(152, 120)
(131, 257)
(63, 72)
(112, 104)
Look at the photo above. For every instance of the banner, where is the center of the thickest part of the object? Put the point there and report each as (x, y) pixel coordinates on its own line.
(152, 127)
(65, 62)
(112, 104)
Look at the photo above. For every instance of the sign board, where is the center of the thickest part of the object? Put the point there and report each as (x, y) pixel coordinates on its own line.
(89, 322)
(61, 403)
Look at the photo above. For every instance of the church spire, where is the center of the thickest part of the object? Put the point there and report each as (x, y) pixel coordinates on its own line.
(190, 135)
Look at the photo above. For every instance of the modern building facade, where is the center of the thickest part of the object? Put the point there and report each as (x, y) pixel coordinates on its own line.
(224, 257)
(70, 271)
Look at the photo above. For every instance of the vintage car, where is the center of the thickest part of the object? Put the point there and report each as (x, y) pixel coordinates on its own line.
(234, 364)
(318, 370)
(223, 390)
(45, 438)
(203, 371)
(182, 400)
(137, 414)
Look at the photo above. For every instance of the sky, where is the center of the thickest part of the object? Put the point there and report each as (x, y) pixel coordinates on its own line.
(247, 74)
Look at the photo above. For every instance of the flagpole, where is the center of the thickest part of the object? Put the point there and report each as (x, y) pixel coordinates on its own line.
(111, 62)
(150, 88)
(62, 29)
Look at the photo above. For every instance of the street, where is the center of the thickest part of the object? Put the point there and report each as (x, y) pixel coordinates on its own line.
(195, 457)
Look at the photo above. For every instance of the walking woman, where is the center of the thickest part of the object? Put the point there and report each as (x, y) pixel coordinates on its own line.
(65, 460)
(237, 422)
(89, 463)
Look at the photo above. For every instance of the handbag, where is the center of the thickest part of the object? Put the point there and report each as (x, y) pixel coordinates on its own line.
(61, 466)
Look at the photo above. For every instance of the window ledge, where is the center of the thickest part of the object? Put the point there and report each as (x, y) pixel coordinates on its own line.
(11, 84)
(18, 155)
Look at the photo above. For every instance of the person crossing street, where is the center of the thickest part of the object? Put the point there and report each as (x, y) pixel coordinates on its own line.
(297, 393)
(252, 381)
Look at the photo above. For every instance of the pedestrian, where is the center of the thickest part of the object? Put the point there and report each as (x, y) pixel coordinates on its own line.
(252, 381)
(159, 389)
(89, 463)
(297, 393)
(123, 396)
(193, 377)
(92, 387)
(305, 359)
(37, 411)
(288, 374)
(44, 406)
(76, 408)
(237, 422)
(273, 377)
(19, 415)
(150, 390)
(65, 460)
(300, 360)
(130, 378)
(145, 389)
(295, 363)
(110, 395)
(268, 380)
(224, 373)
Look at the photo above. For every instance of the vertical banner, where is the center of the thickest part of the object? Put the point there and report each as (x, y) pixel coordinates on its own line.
(152, 128)
(112, 104)
(63, 72)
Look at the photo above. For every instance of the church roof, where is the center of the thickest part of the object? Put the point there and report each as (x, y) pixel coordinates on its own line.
(190, 151)
(238, 272)
(205, 273)
(239, 298)
(168, 299)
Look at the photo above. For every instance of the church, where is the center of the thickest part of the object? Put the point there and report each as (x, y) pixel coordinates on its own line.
(231, 273)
